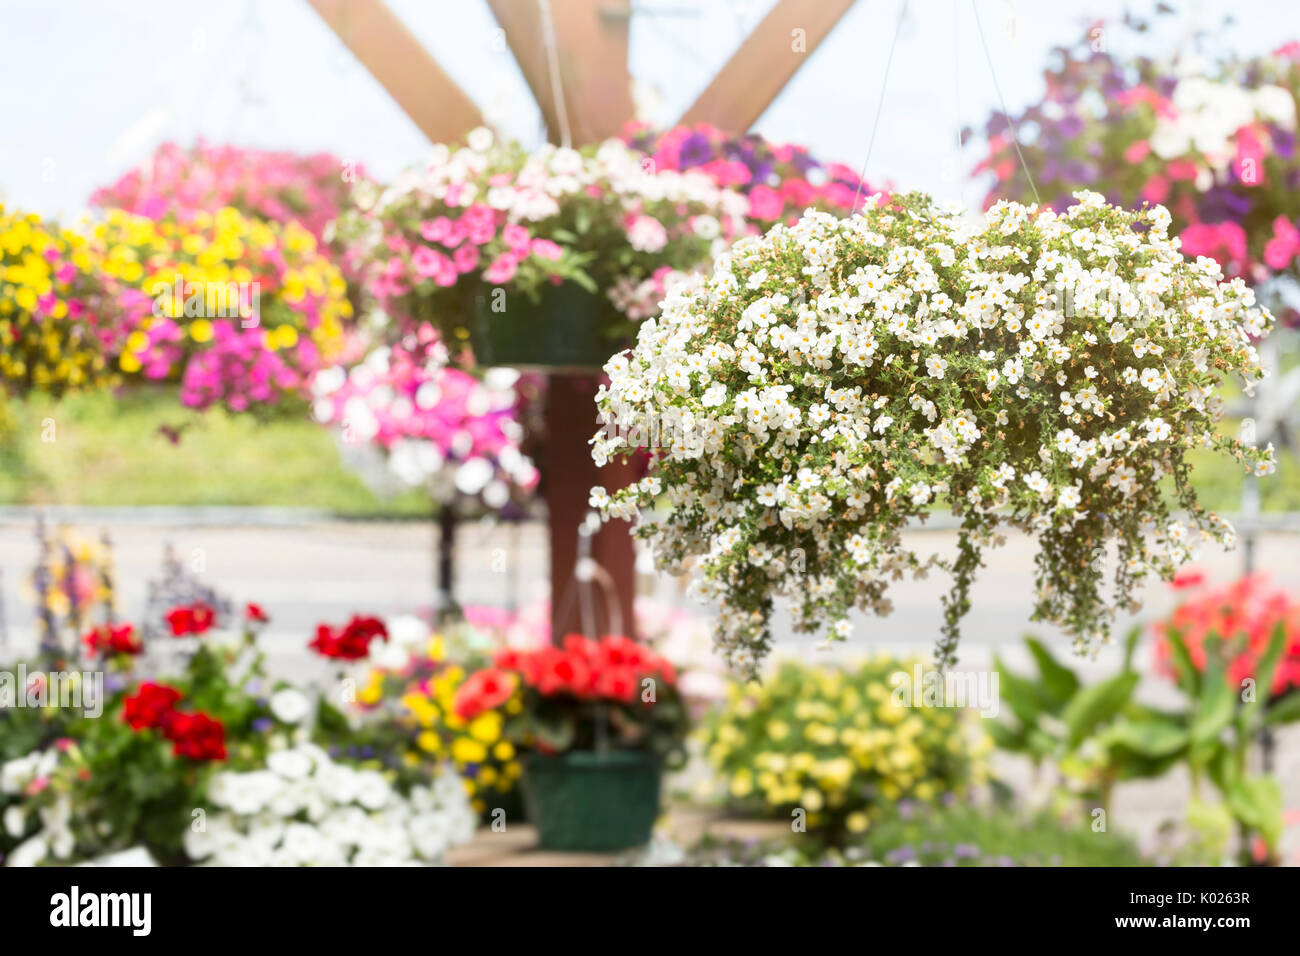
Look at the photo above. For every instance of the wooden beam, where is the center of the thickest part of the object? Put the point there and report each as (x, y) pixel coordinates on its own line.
(765, 63)
(591, 39)
(403, 67)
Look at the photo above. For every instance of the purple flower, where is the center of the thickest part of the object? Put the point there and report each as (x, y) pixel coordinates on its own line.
(904, 854)
(695, 151)
(1283, 141)
(1070, 126)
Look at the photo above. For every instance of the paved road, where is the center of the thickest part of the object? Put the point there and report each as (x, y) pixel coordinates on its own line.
(326, 570)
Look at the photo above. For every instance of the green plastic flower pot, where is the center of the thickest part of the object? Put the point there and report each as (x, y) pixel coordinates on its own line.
(562, 331)
(589, 801)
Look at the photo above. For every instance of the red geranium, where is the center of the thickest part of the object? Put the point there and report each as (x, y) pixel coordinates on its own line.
(610, 668)
(484, 690)
(197, 736)
(352, 642)
(197, 618)
(255, 614)
(150, 706)
(112, 639)
(1245, 615)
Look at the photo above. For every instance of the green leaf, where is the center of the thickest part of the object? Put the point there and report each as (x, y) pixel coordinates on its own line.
(1095, 705)
(1257, 802)
(1057, 680)
(1188, 678)
(1150, 738)
(1214, 707)
(1284, 710)
(1004, 738)
(1020, 694)
(555, 732)
(1130, 645)
(1252, 714)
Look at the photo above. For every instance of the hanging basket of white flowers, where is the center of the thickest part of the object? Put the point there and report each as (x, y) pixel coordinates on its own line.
(832, 381)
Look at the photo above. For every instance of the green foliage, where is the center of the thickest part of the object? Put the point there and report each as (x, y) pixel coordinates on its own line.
(1099, 735)
(962, 835)
(111, 787)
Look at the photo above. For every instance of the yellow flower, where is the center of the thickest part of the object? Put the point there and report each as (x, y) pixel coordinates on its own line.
(486, 727)
(128, 362)
(201, 330)
(429, 741)
(504, 750)
(857, 822)
(742, 785)
(468, 750)
(284, 337)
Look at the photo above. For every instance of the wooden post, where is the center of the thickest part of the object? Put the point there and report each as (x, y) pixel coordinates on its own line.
(570, 474)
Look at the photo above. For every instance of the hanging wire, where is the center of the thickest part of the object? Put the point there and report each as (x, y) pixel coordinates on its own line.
(1015, 133)
(956, 92)
(884, 86)
(553, 62)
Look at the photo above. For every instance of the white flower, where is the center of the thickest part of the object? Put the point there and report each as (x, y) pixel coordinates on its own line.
(480, 139)
(290, 705)
(847, 376)
(1068, 497)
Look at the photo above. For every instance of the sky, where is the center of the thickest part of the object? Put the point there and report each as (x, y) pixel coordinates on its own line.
(92, 86)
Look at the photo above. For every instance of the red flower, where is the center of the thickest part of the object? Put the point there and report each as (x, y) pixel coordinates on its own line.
(151, 705)
(611, 668)
(617, 683)
(353, 642)
(1188, 578)
(255, 614)
(1245, 615)
(196, 736)
(560, 672)
(112, 639)
(483, 690)
(197, 618)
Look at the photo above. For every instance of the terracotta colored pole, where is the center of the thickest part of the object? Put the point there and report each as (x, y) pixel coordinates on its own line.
(570, 474)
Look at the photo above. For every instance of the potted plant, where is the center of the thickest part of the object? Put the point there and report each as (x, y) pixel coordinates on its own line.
(833, 381)
(837, 744)
(780, 180)
(239, 311)
(522, 255)
(598, 720)
(1213, 141)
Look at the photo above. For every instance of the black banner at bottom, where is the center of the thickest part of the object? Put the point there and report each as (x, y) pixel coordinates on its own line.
(337, 906)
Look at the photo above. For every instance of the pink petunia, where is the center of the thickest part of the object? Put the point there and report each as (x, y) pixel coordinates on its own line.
(501, 270)
(1283, 247)
(546, 249)
(516, 237)
(1136, 152)
(765, 203)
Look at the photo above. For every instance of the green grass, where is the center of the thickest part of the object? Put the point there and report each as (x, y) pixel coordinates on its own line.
(108, 450)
